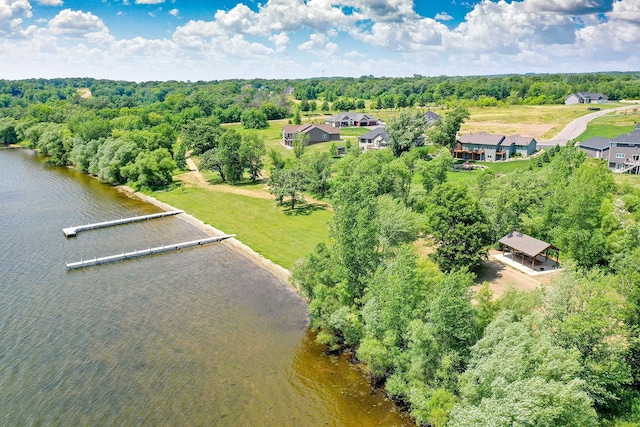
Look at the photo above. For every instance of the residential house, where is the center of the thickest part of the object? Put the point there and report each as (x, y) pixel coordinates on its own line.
(374, 140)
(431, 117)
(348, 119)
(596, 147)
(487, 147)
(622, 153)
(586, 98)
(520, 145)
(481, 146)
(317, 133)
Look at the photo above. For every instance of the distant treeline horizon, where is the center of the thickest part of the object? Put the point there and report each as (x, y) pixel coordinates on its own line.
(383, 92)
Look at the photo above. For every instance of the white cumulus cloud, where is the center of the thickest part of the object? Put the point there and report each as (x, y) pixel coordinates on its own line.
(50, 2)
(76, 23)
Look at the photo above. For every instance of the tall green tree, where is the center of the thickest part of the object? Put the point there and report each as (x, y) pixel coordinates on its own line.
(458, 227)
(289, 183)
(405, 131)
(445, 132)
(253, 118)
(252, 151)
(229, 154)
(518, 376)
(299, 143)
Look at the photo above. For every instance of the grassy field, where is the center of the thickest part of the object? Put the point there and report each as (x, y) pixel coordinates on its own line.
(539, 121)
(272, 231)
(502, 168)
(610, 126)
(627, 180)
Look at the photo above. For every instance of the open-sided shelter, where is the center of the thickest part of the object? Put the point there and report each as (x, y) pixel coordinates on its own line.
(528, 248)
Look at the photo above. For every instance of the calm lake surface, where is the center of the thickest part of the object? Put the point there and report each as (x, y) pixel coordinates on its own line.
(195, 337)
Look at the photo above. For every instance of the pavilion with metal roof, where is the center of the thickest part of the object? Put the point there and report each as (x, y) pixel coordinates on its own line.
(527, 248)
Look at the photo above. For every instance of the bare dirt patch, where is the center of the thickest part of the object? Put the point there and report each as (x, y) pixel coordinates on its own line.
(502, 277)
(534, 130)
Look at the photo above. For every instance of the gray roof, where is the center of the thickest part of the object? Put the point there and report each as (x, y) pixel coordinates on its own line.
(309, 127)
(596, 143)
(357, 117)
(519, 140)
(590, 95)
(375, 132)
(526, 244)
(430, 116)
(483, 138)
(632, 137)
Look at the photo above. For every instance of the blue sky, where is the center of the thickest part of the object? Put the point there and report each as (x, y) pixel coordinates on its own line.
(213, 40)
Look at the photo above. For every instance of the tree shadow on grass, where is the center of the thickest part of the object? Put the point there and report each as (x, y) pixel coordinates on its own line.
(215, 180)
(303, 208)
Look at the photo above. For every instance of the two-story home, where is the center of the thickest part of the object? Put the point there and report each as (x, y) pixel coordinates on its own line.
(317, 133)
(622, 153)
(374, 140)
(348, 119)
(488, 147)
(586, 98)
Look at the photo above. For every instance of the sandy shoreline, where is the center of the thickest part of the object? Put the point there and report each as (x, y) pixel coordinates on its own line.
(278, 271)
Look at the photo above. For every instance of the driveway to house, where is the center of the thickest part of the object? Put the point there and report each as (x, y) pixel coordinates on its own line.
(579, 125)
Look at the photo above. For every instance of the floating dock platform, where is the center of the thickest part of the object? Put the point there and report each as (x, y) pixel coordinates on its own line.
(72, 231)
(144, 252)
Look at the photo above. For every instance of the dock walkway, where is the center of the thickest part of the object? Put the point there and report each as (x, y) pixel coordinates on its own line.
(144, 252)
(72, 231)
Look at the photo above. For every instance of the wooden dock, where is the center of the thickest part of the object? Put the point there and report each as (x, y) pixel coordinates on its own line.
(72, 231)
(143, 252)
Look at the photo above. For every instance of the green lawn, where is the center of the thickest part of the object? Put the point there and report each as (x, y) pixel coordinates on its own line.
(503, 168)
(270, 230)
(610, 126)
(627, 180)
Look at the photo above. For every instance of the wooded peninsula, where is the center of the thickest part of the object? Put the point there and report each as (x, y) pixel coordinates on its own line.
(387, 245)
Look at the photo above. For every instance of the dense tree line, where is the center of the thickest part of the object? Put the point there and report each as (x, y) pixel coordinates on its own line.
(568, 355)
(565, 356)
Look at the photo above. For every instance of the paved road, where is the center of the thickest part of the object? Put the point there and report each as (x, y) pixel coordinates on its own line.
(579, 125)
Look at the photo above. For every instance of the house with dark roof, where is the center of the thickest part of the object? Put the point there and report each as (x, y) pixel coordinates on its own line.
(431, 117)
(349, 119)
(374, 140)
(586, 98)
(483, 146)
(317, 133)
(519, 145)
(621, 153)
(596, 147)
(487, 147)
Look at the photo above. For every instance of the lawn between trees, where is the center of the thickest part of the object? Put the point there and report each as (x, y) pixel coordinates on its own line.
(284, 237)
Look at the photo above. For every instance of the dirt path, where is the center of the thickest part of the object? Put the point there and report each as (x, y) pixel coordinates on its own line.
(502, 277)
(195, 178)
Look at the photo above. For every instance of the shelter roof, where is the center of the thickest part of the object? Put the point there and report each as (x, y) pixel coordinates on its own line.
(526, 244)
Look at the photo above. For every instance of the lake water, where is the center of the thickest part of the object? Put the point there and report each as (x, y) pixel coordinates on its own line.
(200, 336)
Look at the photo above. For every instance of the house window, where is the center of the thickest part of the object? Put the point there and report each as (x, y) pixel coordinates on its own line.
(619, 155)
(325, 136)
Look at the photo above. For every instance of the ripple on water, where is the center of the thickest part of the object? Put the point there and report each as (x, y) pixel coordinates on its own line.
(197, 337)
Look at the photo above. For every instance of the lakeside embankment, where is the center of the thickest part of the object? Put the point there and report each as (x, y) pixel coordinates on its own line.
(277, 270)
